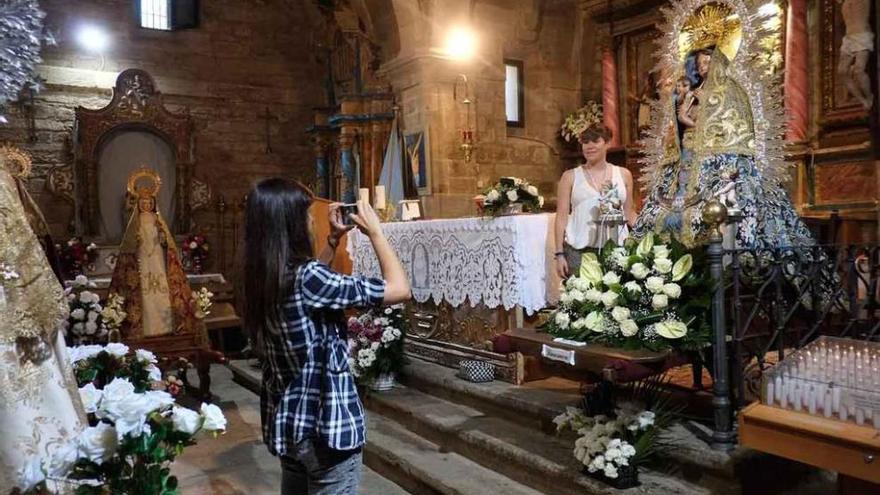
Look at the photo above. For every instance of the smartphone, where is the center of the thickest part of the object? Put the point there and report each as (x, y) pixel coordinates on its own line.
(345, 210)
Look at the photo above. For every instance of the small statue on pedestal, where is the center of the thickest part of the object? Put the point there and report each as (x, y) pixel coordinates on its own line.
(610, 206)
(727, 194)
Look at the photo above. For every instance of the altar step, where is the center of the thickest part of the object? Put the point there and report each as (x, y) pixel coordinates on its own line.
(525, 455)
(509, 429)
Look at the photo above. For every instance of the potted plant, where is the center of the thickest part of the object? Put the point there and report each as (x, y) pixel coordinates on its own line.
(510, 196)
(376, 346)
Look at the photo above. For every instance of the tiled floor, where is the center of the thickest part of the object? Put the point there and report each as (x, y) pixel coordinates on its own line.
(237, 462)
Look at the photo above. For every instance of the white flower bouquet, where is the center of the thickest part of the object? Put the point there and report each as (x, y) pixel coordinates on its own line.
(204, 299)
(135, 432)
(639, 295)
(581, 119)
(612, 446)
(376, 343)
(509, 192)
(85, 324)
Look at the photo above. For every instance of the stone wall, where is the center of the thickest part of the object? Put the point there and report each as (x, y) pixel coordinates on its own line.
(244, 57)
(556, 46)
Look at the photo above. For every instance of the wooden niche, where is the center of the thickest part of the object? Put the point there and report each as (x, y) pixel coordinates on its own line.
(137, 105)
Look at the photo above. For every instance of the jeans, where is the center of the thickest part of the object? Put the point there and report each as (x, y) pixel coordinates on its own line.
(315, 469)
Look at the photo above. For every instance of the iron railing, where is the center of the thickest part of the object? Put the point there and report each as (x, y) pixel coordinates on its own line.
(769, 302)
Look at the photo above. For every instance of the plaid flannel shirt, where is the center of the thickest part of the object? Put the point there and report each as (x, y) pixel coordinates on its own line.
(312, 345)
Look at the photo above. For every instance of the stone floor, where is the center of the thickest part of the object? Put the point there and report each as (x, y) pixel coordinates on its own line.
(238, 462)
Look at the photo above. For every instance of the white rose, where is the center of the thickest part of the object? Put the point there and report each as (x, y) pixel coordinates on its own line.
(562, 319)
(672, 290)
(620, 257)
(30, 473)
(629, 328)
(82, 352)
(374, 346)
(610, 470)
(71, 297)
(62, 460)
(116, 349)
(115, 392)
(611, 278)
(512, 196)
(639, 270)
(654, 284)
(659, 301)
(517, 181)
(91, 328)
(609, 299)
(78, 314)
(633, 287)
(193, 245)
(154, 374)
(81, 280)
(492, 196)
(145, 356)
(663, 265)
(579, 324)
(90, 397)
(78, 328)
(594, 295)
(98, 443)
(661, 252)
(93, 315)
(620, 313)
(214, 419)
(130, 416)
(185, 420)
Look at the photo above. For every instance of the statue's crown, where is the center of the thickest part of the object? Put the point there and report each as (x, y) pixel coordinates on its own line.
(16, 161)
(713, 24)
(144, 183)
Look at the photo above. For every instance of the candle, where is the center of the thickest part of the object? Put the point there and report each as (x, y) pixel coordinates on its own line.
(811, 403)
(835, 398)
(778, 386)
(380, 197)
(364, 195)
(768, 397)
(860, 416)
(826, 407)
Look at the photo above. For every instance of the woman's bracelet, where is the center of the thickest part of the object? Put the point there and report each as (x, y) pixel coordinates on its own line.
(559, 253)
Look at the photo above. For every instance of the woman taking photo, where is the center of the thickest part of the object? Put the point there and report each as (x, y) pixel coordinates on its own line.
(578, 228)
(312, 416)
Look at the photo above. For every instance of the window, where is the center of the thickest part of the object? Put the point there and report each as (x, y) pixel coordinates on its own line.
(167, 15)
(513, 93)
(155, 14)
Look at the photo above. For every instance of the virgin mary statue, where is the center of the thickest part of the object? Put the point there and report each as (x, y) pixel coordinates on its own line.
(148, 272)
(718, 133)
(40, 411)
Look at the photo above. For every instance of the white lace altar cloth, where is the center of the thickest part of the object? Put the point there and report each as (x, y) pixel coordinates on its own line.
(504, 261)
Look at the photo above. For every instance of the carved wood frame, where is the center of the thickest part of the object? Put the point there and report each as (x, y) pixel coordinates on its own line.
(136, 105)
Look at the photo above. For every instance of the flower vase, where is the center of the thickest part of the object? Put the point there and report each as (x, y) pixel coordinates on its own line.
(511, 209)
(627, 477)
(383, 382)
(197, 265)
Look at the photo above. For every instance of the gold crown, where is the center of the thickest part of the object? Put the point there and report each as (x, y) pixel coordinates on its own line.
(149, 190)
(712, 25)
(16, 161)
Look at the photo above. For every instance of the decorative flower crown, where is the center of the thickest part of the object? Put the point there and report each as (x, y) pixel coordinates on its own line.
(580, 120)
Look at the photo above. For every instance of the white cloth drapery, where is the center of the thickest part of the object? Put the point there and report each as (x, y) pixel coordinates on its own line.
(503, 261)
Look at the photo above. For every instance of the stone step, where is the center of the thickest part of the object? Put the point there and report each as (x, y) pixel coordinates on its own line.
(372, 483)
(535, 404)
(533, 458)
(422, 467)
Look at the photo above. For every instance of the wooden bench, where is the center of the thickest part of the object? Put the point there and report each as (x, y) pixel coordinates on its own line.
(544, 358)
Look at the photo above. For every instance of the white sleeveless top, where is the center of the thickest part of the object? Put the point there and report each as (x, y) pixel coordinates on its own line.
(583, 229)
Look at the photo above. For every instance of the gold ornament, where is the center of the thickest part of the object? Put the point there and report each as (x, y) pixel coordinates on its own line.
(16, 161)
(714, 213)
(144, 191)
(713, 25)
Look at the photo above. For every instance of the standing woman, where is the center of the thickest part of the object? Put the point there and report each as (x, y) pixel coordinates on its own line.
(577, 201)
(312, 416)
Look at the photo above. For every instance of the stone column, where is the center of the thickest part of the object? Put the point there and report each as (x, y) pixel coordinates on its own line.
(796, 76)
(609, 94)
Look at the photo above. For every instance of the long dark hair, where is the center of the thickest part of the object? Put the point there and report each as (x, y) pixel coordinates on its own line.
(277, 240)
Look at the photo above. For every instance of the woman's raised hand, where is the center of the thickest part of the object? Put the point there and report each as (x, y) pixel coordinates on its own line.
(366, 219)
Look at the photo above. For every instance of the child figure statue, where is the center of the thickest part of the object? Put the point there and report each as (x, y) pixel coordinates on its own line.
(727, 194)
